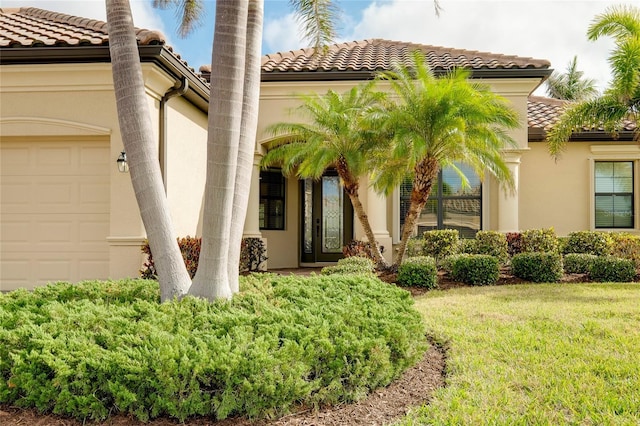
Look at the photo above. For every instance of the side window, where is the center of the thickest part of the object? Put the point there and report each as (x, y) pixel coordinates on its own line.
(272, 198)
(614, 194)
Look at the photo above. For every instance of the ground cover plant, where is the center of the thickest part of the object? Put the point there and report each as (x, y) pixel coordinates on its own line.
(101, 348)
(539, 354)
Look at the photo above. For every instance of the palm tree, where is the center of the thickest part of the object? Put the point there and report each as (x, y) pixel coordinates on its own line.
(339, 135)
(137, 136)
(571, 86)
(437, 121)
(619, 102)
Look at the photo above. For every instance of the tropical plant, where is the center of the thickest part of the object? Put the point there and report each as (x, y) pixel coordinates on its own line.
(437, 121)
(621, 100)
(571, 85)
(338, 134)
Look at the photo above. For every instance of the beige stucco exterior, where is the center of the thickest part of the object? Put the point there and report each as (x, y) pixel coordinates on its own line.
(72, 106)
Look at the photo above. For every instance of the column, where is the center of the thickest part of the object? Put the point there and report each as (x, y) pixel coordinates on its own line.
(377, 213)
(252, 221)
(508, 199)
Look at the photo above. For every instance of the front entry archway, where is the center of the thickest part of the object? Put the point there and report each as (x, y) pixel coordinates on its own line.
(326, 218)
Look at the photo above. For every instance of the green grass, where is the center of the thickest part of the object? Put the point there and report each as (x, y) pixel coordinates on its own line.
(544, 354)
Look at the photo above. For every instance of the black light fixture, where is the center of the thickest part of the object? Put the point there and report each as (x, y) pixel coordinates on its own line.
(123, 166)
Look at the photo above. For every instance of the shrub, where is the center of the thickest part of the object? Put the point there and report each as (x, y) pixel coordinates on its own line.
(468, 246)
(351, 265)
(252, 256)
(418, 272)
(539, 240)
(492, 243)
(537, 267)
(578, 263)
(440, 243)
(360, 249)
(626, 246)
(588, 242)
(97, 348)
(415, 247)
(447, 263)
(514, 243)
(476, 269)
(614, 269)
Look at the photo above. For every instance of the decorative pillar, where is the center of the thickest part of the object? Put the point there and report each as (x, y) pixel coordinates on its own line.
(252, 221)
(508, 200)
(377, 213)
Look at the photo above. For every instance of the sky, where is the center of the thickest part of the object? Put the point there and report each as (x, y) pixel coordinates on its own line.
(554, 30)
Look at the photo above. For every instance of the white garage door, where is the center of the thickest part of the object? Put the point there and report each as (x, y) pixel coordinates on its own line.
(54, 211)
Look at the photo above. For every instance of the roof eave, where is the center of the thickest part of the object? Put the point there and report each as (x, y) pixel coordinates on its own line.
(198, 93)
(352, 75)
(537, 134)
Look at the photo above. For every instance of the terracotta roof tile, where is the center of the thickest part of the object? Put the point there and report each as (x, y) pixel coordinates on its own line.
(543, 113)
(33, 27)
(377, 54)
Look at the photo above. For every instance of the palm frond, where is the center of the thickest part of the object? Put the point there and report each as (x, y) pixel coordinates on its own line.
(318, 19)
(190, 13)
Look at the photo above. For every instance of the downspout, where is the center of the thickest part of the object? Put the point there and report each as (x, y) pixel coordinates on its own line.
(177, 90)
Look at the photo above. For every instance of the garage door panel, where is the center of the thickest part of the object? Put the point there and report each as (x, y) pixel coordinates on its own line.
(55, 212)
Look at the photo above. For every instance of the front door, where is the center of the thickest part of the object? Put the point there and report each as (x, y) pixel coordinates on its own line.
(327, 219)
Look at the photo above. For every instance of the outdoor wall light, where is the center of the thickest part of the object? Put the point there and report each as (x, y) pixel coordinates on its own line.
(123, 166)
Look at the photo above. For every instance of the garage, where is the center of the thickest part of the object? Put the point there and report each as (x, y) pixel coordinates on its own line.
(54, 204)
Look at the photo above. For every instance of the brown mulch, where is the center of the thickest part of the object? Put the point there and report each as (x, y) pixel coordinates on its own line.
(383, 406)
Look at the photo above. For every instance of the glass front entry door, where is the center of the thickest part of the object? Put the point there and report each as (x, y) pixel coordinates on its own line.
(327, 219)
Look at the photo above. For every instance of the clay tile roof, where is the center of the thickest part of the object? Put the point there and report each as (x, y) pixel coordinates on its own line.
(543, 113)
(377, 55)
(33, 27)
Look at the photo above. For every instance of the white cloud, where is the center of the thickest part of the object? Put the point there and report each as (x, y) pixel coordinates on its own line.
(282, 34)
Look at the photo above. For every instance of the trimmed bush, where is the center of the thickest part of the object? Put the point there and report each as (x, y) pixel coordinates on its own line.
(612, 269)
(626, 246)
(476, 269)
(441, 243)
(418, 272)
(415, 247)
(467, 245)
(95, 349)
(588, 242)
(578, 263)
(351, 265)
(539, 240)
(447, 263)
(514, 243)
(492, 243)
(537, 267)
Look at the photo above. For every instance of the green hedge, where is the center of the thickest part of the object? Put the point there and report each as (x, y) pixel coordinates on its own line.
(492, 243)
(613, 269)
(588, 242)
(578, 263)
(539, 240)
(99, 348)
(476, 269)
(351, 265)
(418, 271)
(440, 243)
(537, 267)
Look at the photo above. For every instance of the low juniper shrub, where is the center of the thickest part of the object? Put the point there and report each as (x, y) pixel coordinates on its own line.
(538, 267)
(418, 271)
(578, 263)
(612, 269)
(351, 265)
(476, 269)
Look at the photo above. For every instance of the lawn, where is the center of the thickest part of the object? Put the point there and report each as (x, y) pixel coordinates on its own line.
(536, 354)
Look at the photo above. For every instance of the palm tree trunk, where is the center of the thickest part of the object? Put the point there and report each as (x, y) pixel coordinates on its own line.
(425, 174)
(350, 183)
(137, 136)
(225, 112)
(248, 132)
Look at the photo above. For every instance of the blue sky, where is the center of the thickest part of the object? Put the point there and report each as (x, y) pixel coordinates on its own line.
(544, 29)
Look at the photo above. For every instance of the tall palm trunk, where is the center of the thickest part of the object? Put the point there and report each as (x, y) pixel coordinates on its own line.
(425, 175)
(141, 148)
(351, 185)
(225, 112)
(246, 148)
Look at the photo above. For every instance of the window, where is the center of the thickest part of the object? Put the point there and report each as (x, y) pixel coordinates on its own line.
(450, 206)
(272, 199)
(614, 194)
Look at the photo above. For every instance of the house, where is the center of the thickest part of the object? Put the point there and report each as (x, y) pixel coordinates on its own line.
(67, 213)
